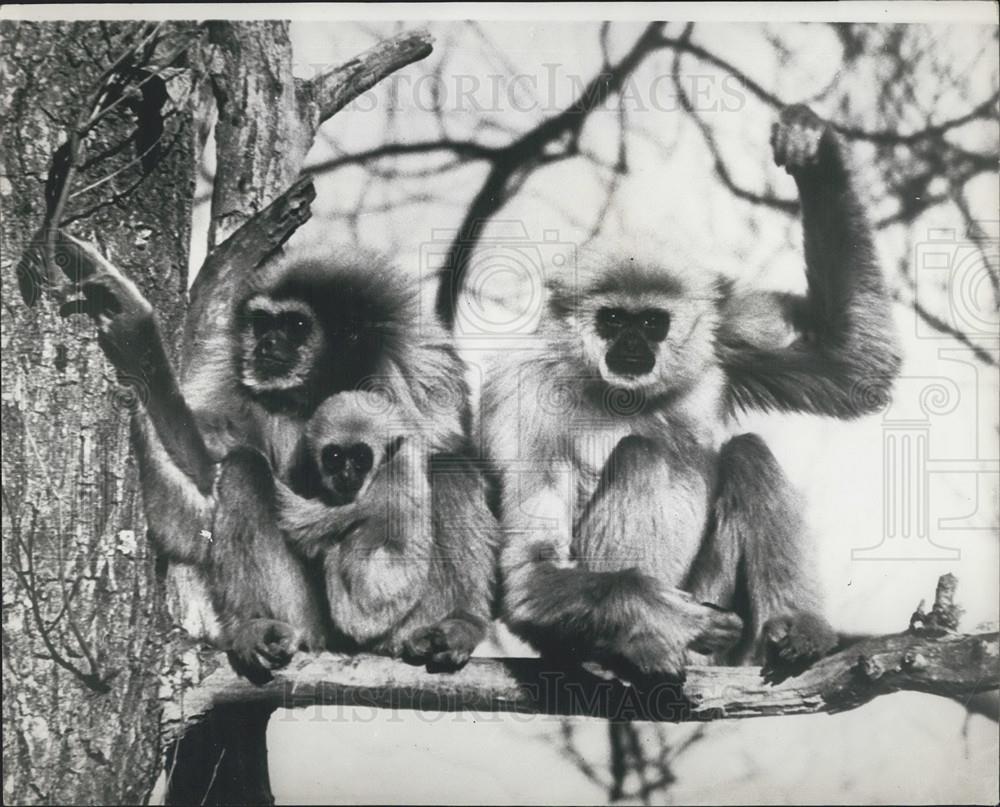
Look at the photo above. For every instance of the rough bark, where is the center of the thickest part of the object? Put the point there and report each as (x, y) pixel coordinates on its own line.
(83, 617)
(267, 120)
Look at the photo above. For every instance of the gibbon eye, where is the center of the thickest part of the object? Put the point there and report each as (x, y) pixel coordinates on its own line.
(333, 459)
(296, 325)
(260, 322)
(611, 320)
(361, 457)
(655, 323)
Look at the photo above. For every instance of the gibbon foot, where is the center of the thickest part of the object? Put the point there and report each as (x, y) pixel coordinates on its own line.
(625, 620)
(446, 645)
(791, 642)
(664, 650)
(646, 656)
(262, 645)
(718, 630)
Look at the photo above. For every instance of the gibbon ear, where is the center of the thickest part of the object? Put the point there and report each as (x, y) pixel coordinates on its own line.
(560, 297)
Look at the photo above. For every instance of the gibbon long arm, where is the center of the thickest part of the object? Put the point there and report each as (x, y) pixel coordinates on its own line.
(130, 337)
(230, 540)
(842, 352)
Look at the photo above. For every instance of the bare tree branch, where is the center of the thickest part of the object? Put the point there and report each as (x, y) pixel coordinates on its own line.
(983, 111)
(513, 162)
(332, 90)
(943, 327)
(465, 149)
(938, 323)
(721, 169)
(267, 124)
(929, 657)
(987, 110)
(953, 665)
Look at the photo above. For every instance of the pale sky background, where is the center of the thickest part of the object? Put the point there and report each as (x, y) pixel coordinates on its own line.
(901, 748)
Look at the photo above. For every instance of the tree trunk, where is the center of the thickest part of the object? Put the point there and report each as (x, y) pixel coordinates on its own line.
(84, 620)
(83, 616)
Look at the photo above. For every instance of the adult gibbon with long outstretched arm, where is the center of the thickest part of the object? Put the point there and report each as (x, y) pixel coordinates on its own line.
(614, 487)
(208, 454)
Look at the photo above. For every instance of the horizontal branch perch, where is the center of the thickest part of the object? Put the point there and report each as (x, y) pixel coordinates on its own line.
(949, 664)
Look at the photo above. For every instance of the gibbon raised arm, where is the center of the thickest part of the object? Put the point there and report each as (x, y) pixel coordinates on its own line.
(835, 351)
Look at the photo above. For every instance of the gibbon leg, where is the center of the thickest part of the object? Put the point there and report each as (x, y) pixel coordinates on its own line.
(267, 604)
(463, 566)
(447, 644)
(624, 617)
(648, 510)
(755, 558)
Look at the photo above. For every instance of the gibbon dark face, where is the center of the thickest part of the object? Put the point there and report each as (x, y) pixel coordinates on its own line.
(637, 325)
(344, 468)
(349, 438)
(317, 331)
(278, 339)
(632, 337)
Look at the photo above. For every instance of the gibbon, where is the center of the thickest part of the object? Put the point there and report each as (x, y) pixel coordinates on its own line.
(369, 520)
(614, 488)
(208, 453)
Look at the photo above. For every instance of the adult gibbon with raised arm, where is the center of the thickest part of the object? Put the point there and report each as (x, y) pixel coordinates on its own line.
(614, 488)
(300, 332)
